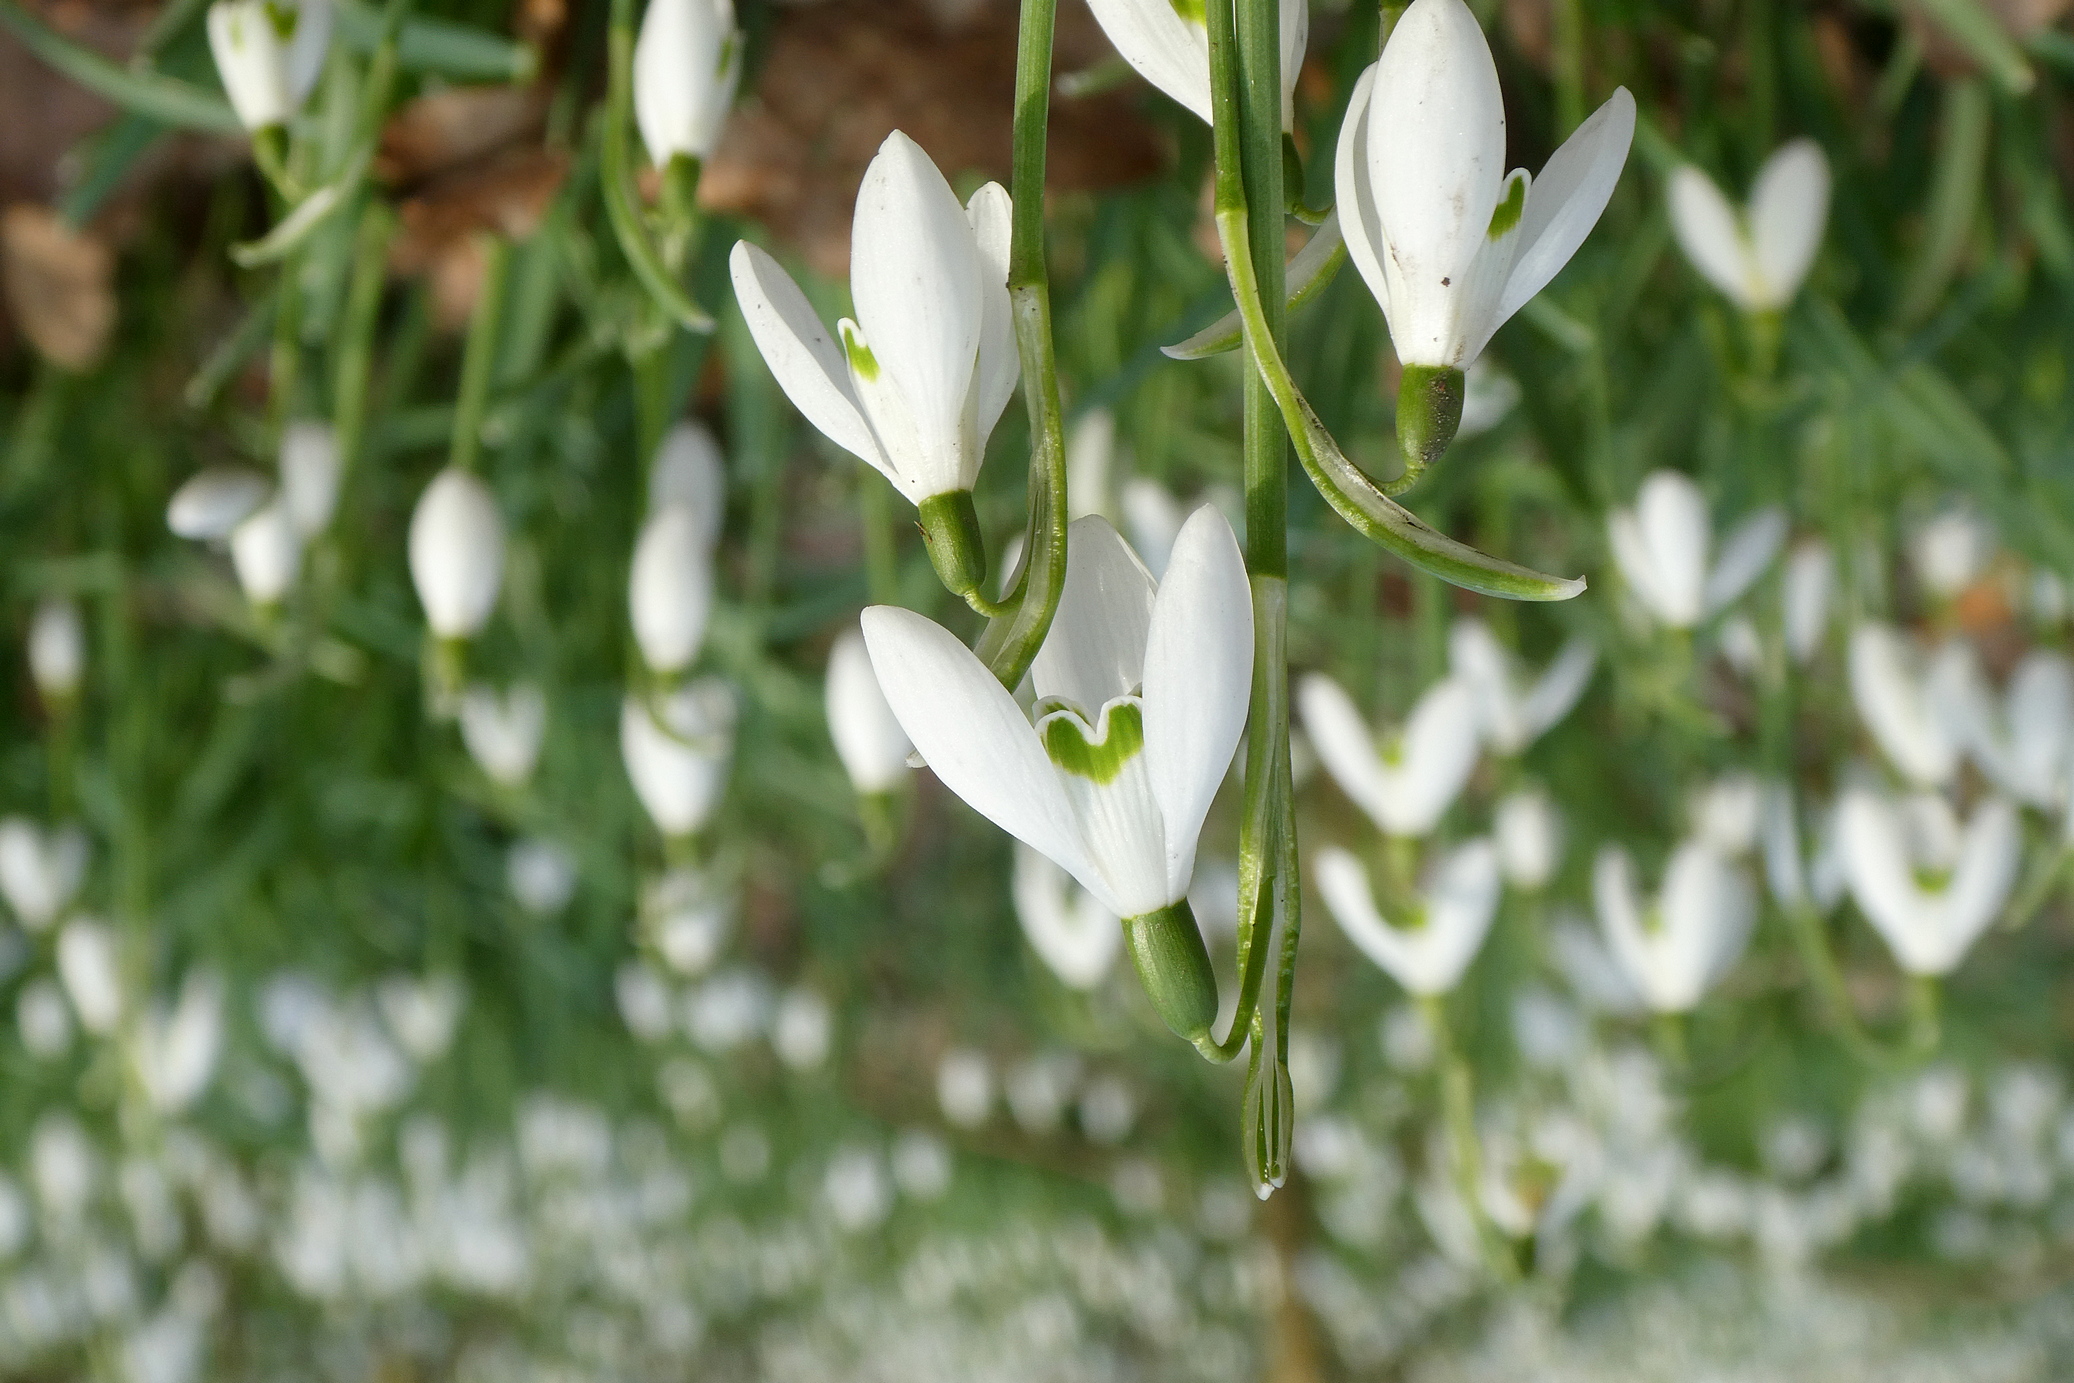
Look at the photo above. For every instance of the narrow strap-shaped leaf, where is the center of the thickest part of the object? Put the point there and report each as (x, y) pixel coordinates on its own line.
(298, 225)
(1986, 41)
(616, 176)
(146, 93)
(459, 52)
(1310, 269)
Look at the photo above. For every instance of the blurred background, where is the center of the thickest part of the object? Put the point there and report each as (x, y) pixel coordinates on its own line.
(361, 1028)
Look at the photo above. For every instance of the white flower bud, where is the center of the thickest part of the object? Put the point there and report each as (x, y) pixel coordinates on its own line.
(267, 553)
(40, 870)
(503, 733)
(1950, 551)
(868, 738)
(1810, 584)
(670, 590)
(689, 470)
(687, 63)
(57, 649)
(687, 914)
(88, 965)
(1529, 834)
(269, 54)
(457, 553)
(803, 1030)
(964, 1087)
(677, 750)
(175, 1052)
(541, 875)
(213, 502)
(310, 473)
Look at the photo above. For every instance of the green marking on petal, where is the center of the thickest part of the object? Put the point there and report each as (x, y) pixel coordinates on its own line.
(1192, 11)
(283, 18)
(862, 361)
(1507, 213)
(1933, 880)
(1067, 740)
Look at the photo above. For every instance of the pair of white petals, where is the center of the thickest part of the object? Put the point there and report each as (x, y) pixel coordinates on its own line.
(1675, 947)
(1168, 43)
(1448, 923)
(503, 730)
(1757, 255)
(922, 374)
(868, 738)
(266, 526)
(40, 869)
(677, 748)
(175, 1048)
(1449, 242)
(1663, 544)
(57, 648)
(1142, 692)
(687, 66)
(670, 583)
(269, 54)
(1928, 886)
(1405, 783)
(1513, 709)
(1810, 878)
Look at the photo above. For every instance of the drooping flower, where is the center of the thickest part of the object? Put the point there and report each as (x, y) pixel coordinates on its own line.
(40, 870)
(1090, 457)
(1528, 831)
(269, 54)
(541, 874)
(1440, 932)
(174, 1050)
(266, 553)
(1805, 596)
(1662, 545)
(1066, 926)
(677, 750)
(1800, 878)
(670, 588)
(1142, 691)
(1513, 715)
(1408, 781)
(1727, 813)
(88, 964)
(689, 470)
(457, 553)
(211, 503)
(687, 915)
(924, 371)
(868, 737)
(57, 649)
(1676, 947)
(503, 731)
(2023, 740)
(1449, 242)
(1758, 256)
(311, 469)
(1897, 702)
(1927, 886)
(687, 64)
(1168, 43)
(1949, 551)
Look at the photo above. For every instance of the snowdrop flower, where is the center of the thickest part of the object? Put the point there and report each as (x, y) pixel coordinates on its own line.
(1442, 929)
(45, 1021)
(1675, 948)
(803, 1029)
(1168, 43)
(1726, 814)
(1661, 547)
(1450, 244)
(1514, 715)
(688, 470)
(677, 749)
(88, 964)
(310, 472)
(687, 64)
(687, 914)
(503, 731)
(964, 1087)
(175, 1052)
(1951, 551)
(421, 1015)
(868, 738)
(40, 870)
(1895, 699)
(1406, 783)
(266, 553)
(1928, 888)
(57, 649)
(2023, 743)
(1529, 834)
(670, 589)
(269, 54)
(1487, 398)
(1816, 882)
(856, 1189)
(644, 1002)
(921, 1165)
(212, 503)
(924, 371)
(1758, 257)
(1068, 929)
(457, 553)
(1142, 691)
(1809, 586)
(541, 875)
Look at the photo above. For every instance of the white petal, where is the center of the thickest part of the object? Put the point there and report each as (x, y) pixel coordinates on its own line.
(689, 470)
(1439, 746)
(1620, 919)
(1461, 900)
(973, 736)
(1095, 650)
(1198, 681)
(915, 278)
(1882, 880)
(1744, 556)
(1810, 581)
(503, 733)
(90, 966)
(1360, 223)
(1344, 885)
(1632, 557)
(57, 647)
(1119, 821)
(209, 504)
(1068, 929)
(304, 62)
(457, 553)
(801, 355)
(310, 474)
(687, 61)
(1154, 518)
(1712, 237)
(40, 871)
(1296, 37)
(1344, 743)
(1980, 886)
(1437, 161)
(670, 588)
(1707, 912)
(1789, 204)
(1567, 198)
(1780, 838)
(250, 62)
(1892, 703)
(1165, 49)
(1560, 687)
(266, 553)
(1528, 832)
(1090, 448)
(1485, 666)
(677, 750)
(992, 215)
(2041, 723)
(1671, 516)
(1480, 290)
(914, 470)
(868, 739)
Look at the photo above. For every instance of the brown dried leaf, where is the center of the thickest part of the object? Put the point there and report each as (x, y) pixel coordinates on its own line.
(437, 133)
(2020, 19)
(437, 231)
(59, 285)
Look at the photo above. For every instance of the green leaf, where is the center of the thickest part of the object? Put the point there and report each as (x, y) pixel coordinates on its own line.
(1310, 270)
(163, 99)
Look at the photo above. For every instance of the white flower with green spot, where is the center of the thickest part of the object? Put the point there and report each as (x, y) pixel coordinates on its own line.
(1168, 43)
(268, 54)
(1142, 690)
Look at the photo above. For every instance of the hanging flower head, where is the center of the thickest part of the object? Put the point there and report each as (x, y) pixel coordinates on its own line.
(1757, 257)
(269, 54)
(1141, 698)
(1903, 704)
(1066, 926)
(687, 64)
(868, 739)
(923, 373)
(1662, 545)
(1406, 782)
(1929, 887)
(677, 749)
(1439, 934)
(1449, 242)
(457, 553)
(1675, 948)
(1514, 711)
(57, 649)
(1168, 43)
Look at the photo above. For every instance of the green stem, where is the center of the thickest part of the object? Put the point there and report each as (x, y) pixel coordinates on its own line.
(1458, 1105)
(1925, 1015)
(284, 365)
(1829, 982)
(356, 337)
(2051, 869)
(622, 203)
(479, 356)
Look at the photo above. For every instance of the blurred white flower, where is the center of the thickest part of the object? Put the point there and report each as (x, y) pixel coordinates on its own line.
(266, 553)
(728, 1010)
(868, 738)
(1797, 881)
(1674, 948)
(1487, 397)
(57, 649)
(1808, 589)
(89, 965)
(1169, 46)
(1950, 551)
(40, 870)
(645, 1002)
(457, 553)
(211, 503)
(1726, 813)
(1759, 256)
(541, 875)
(687, 64)
(921, 1165)
(856, 1190)
(43, 1017)
(62, 1166)
(2024, 741)
(311, 469)
(1107, 1110)
(964, 1087)
(1895, 699)
(1442, 929)
(1152, 515)
(687, 914)
(670, 588)
(1662, 546)
(269, 54)
(1066, 926)
(1406, 783)
(503, 730)
(422, 1014)
(690, 471)
(677, 748)
(1513, 711)
(1740, 645)
(1528, 831)
(1039, 1089)
(1929, 888)
(174, 1053)
(803, 1030)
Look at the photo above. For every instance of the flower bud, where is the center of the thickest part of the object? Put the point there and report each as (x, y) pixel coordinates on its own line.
(57, 649)
(457, 553)
(213, 502)
(670, 591)
(269, 54)
(503, 733)
(950, 529)
(267, 553)
(677, 749)
(868, 739)
(1166, 947)
(310, 466)
(1529, 835)
(87, 963)
(688, 470)
(687, 63)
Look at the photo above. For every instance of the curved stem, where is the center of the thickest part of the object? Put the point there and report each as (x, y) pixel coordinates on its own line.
(479, 355)
(616, 176)
(1829, 982)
